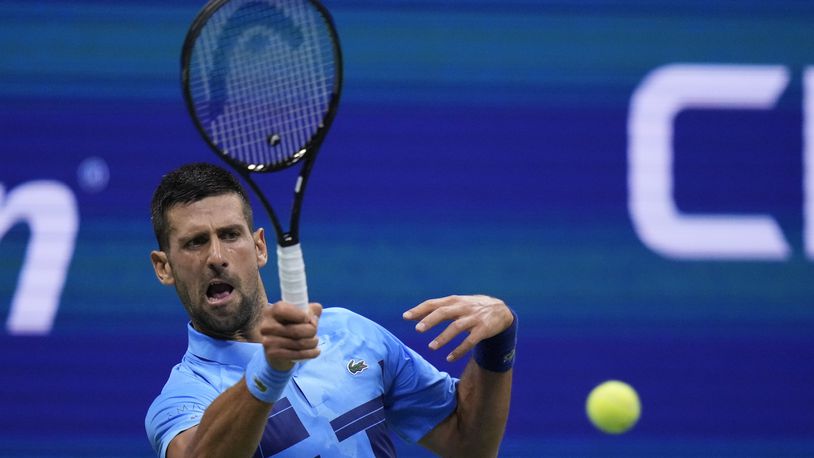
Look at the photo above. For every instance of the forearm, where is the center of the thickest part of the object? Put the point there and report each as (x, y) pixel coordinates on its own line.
(476, 427)
(231, 426)
(483, 399)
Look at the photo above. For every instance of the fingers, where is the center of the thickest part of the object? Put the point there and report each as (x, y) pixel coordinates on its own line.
(462, 349)
(284, 312)
(458, 326)
(453, 311)
(423, 309)
(285, 347)
(315, 309)
(289, 333)
(479, 316)
(466, 324)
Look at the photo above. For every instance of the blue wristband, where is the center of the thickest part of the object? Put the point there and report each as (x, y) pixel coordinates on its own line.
(496, 353)
(264, 382)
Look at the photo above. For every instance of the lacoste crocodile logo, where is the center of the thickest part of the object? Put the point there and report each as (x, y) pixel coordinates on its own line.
(355, 367)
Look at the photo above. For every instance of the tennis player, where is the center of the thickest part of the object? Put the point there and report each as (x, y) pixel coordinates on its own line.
(262, 379)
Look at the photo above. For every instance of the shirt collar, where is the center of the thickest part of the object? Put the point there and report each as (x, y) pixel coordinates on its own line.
(222, 351)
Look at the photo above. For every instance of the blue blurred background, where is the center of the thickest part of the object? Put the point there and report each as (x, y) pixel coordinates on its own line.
(481, 147)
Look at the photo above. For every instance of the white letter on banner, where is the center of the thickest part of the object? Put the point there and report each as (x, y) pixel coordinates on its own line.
(49, 208)
(660, 225)
(808, 160)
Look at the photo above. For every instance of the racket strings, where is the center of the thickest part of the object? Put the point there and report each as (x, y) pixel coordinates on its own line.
(248, 123)
(262, 78)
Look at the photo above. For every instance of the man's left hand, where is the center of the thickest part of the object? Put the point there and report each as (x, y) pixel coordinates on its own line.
(481, 316)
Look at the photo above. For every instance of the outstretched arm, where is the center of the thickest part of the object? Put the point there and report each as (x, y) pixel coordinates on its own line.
(476, 426)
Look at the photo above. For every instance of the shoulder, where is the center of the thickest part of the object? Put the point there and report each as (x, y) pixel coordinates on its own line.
(337, 318)
(345, 327)
(185, 385)
(192, 381)
(341, 313)
(179, 406)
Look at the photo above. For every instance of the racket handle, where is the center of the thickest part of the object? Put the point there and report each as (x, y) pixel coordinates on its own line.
(291, 268)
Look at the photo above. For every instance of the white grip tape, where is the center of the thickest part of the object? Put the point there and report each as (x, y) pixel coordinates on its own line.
(291, 268)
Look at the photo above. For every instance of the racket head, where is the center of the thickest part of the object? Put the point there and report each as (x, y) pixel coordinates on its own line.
(262, 80)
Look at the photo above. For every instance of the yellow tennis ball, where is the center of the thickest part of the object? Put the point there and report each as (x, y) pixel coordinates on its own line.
(613, 407)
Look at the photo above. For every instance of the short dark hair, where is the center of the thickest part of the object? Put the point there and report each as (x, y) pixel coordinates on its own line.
(191, 183)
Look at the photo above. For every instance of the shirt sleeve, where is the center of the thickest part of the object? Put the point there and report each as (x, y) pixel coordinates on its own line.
(417, 395)
(179, 407)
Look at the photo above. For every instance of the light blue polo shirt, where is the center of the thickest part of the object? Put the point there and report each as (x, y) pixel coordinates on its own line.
(364, 384)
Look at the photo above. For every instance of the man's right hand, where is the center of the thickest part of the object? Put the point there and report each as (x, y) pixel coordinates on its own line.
(289, 334)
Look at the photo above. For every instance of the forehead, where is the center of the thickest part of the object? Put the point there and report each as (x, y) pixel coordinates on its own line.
(209, 212)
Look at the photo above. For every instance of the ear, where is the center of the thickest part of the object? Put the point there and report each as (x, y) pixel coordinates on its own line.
(162, 267)
(260, 247)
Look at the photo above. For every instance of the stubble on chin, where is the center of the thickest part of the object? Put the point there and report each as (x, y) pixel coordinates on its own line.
(238, 325)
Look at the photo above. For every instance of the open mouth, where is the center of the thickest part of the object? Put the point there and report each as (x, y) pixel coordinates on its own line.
(218, 291)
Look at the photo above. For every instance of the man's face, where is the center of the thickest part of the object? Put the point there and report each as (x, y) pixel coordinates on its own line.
(213, 260)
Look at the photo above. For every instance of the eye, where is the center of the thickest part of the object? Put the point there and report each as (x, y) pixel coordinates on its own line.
(196, 242)
(230, 235)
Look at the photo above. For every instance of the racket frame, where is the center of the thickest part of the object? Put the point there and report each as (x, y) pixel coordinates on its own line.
(310, 149)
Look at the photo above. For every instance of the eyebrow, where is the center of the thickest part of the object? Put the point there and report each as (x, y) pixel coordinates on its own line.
(195, 232)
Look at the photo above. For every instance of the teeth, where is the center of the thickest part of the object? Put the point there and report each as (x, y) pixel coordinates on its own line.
(219, 290)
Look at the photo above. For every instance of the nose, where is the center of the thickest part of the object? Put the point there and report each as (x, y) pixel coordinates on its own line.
(216, 258)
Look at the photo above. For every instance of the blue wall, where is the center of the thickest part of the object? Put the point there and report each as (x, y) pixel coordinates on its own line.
(481, 146)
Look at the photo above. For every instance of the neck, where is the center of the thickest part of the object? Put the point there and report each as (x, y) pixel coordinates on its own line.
(248, 331)
(249, 334)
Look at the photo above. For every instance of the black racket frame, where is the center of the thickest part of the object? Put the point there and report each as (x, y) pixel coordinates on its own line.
(311, 148)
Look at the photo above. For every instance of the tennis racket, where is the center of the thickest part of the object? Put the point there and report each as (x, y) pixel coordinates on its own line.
(261, 80)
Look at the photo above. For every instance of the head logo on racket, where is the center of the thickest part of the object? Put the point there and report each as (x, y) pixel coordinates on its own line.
(261, 80)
